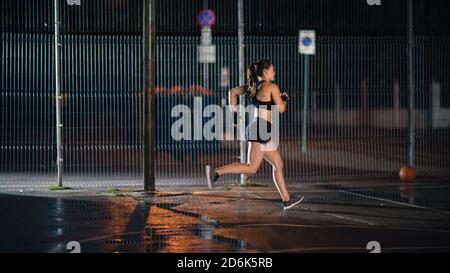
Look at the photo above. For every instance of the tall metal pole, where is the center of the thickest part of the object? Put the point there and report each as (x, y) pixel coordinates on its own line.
(149, 88)
(241, 68)
(205, 65)
(411, 85)
(57, 45)
(305, 104)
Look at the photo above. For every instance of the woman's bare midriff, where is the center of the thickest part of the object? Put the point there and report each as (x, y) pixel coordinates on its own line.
(264, 114)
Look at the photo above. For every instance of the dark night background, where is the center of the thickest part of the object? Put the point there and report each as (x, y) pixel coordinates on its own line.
(280, 17)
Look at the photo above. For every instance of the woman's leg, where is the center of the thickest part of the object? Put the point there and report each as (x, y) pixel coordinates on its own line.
(255, 158)
(274, 158)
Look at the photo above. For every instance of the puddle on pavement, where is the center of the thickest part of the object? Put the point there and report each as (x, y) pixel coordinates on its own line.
(143, 227)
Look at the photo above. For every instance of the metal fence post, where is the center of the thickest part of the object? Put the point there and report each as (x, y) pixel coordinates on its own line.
(411, 86)
(57, 45)
(242, 146)
(149, 88)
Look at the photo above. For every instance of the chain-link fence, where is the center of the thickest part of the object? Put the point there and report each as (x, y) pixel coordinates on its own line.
(357, 125)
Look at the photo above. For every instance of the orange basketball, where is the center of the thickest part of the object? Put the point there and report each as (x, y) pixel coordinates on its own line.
(407, 174)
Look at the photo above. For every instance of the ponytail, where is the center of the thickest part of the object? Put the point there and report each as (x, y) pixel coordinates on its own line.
(252, 80)
(254, 71)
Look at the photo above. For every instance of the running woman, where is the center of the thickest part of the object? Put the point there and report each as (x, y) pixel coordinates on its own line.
(262, 93)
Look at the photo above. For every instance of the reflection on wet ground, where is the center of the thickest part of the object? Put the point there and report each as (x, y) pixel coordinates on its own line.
(338, 217)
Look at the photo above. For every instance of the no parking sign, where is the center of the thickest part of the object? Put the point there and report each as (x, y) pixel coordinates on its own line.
(206, 18)
(307, 42)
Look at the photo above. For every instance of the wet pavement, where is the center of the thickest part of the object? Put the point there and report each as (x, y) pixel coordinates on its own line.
(334, 217)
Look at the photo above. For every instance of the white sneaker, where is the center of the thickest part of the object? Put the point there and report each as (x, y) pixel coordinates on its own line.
(208, 177)
(211, 178)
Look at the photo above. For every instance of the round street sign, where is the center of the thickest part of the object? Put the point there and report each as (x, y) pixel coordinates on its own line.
(206, 18)
(307, 41)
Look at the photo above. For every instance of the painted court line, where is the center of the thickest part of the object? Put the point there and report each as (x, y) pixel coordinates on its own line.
(394, 202)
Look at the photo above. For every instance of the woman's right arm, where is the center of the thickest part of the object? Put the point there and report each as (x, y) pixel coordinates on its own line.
(233, 94)
(276, 96)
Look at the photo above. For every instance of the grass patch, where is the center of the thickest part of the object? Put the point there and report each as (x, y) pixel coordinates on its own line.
(250, 184)
(58, 188)
(112, 190)
(120, 195)
(116, 192)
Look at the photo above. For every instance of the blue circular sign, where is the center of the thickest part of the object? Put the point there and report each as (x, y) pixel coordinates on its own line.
(206, 18)
(307, 41)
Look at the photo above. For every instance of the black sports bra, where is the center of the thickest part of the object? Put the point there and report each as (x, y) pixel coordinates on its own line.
(257, 103)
